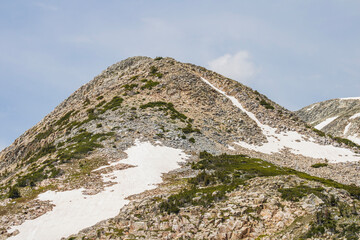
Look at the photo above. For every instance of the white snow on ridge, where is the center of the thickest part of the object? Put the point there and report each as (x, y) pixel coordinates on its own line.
(296, 142)
(350, 98)
(311, 107)
(355, 116)
(74, 211)
(326, 122)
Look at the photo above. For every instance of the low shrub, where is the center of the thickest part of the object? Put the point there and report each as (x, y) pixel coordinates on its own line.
(149, 85)
(189, 129)
(130, 87)
(223, 173)
(14, 193)
(266, 104)
(296, 193)
(319, 165)
(164, 106)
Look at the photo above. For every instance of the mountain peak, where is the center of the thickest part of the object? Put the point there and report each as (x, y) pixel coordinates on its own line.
(115, 136)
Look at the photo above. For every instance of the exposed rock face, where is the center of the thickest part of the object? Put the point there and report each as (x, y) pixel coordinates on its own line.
(340, 117)
(166, 102)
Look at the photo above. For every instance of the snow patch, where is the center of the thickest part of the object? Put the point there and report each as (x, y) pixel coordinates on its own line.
(231, 148)
(355, 116)
(347, 128)
(354, 138)
(326, 122)
(350, 98)
(75, 211)
(310, 108)
(295, 142)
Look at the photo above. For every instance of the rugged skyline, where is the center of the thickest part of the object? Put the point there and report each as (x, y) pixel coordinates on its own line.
(296, 53)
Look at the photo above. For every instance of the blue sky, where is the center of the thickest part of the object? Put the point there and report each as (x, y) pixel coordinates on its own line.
(295, 52)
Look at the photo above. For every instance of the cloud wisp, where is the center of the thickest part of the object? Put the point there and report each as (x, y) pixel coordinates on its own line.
(237, 66)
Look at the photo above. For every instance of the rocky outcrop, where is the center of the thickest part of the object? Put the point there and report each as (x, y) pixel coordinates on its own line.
(254, 211)
(340, 117)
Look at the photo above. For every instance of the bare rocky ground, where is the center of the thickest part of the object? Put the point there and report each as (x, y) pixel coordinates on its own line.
(254, 211)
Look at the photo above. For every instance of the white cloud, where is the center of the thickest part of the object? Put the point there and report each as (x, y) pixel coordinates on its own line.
(237, 66)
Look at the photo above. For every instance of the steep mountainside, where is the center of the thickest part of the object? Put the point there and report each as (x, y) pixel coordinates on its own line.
(338, 117)
(182, 152)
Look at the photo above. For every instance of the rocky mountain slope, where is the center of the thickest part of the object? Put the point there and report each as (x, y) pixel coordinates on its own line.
(338, 117)
(182, 152)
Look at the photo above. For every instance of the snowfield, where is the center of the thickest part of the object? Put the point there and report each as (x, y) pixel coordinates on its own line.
(295, 142)
(74, 211)
(325, 123)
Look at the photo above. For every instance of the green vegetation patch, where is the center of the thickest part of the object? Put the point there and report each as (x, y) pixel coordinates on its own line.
(114, 104)
(350, 232)
(218, 175)
(93, 113)
(134, 77)
(296, 193)
(14, 193)
(81, 145)
(318, 132)
(149, 84)
(266, 104)
(47, 149)
(224, 173)
(45, 172)
(319, 165)
(190, 129)
(45, 134)
(64, 119)
(100, 104)
(154, 72)
(338, 139)
(345, 141)
(130, 87)
(164, 106)
(324, 223)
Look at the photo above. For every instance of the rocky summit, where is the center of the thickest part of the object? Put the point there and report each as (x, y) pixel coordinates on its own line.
(159, 149)
(337, 117)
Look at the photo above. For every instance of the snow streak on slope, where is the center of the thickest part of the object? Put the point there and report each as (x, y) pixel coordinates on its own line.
(347, 127)
(74, 211)
(355, 116)
(326, 122)
(297, 143)
(311, 107)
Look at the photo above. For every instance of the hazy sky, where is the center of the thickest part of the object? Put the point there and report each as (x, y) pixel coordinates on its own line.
(295, 52)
